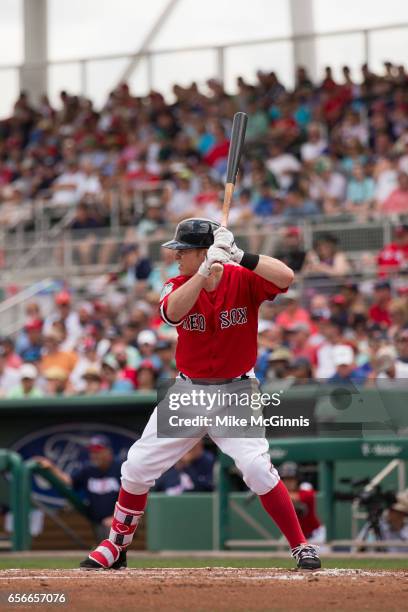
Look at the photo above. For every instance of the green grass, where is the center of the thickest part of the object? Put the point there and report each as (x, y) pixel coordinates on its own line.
(71, 563)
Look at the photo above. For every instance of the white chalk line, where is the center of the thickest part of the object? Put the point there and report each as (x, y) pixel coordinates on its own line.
(180, 574)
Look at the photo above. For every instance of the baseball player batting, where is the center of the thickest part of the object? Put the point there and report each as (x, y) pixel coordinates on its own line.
(216, 317)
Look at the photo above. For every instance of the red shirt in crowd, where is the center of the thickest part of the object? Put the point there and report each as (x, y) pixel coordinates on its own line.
(396, 203)
(392, 257)
(379, 315)
(218, 337)
(310, 521)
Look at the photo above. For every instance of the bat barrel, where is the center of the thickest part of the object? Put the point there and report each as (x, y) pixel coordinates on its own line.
(236, 144)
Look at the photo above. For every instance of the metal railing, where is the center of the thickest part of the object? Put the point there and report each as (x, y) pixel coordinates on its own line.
(83, 65)
(58, 252)
(12, 463)
(12, 314)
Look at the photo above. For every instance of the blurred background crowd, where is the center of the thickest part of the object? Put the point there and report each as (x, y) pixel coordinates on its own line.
(327, 150)
(322, 149)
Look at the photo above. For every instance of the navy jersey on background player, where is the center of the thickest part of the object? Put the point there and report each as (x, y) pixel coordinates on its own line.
(195, 477)
(100, 488)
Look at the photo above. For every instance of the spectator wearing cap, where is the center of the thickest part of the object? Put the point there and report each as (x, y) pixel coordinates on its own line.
(270, 337)
(346, 370)
(290, 249)
(128, 359)
(33, 313)
(56, 380)
(292, 313)
(393, 258)
(301, 370)
(146, 342)
(32, 343)
(28, 384)
(394, 523)
(165, 352)
(146, 376)
(326, 260)
(87, 358)
(112, 380)
(379, 311)
(98, 480)
(278, 366)
(54, 357)
(92, 380)
(9, 377)
(13, 360)
(65, 313)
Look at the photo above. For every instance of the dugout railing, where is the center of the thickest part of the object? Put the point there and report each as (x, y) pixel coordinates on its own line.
(31, 468)
(12, 464)
(325, 452)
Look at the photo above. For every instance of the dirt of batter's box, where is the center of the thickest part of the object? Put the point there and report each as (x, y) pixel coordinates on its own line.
(211, 589)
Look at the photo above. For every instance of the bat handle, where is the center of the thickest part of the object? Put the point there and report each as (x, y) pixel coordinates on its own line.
(217, 268)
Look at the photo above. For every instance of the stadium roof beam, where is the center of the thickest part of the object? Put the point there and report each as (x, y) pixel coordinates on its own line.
(147, 41)
(302, 21)
(33, 72)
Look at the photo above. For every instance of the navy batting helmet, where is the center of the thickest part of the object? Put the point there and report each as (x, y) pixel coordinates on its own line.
(193, 233)
(289, 469)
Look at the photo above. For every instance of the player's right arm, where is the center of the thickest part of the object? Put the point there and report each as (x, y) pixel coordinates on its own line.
(176, 302)
(181, 300)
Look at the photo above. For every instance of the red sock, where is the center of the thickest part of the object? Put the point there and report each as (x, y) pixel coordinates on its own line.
(131, 501)
(280, 508)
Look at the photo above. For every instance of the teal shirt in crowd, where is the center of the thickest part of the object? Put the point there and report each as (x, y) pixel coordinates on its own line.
(360, 191)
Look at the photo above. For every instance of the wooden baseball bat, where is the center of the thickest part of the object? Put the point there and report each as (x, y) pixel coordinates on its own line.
(234, 155)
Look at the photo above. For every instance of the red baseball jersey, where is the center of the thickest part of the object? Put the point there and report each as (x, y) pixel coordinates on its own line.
(310, 521)
(218, 337)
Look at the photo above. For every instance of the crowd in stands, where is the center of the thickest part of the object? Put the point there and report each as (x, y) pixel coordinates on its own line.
(332, 148)
(117, 342)
(328, 148)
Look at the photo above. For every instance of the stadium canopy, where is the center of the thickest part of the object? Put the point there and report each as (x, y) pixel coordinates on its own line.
(88, 46)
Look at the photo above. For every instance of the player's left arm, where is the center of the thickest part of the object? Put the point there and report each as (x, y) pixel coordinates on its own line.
(274, 271)
(269, 268)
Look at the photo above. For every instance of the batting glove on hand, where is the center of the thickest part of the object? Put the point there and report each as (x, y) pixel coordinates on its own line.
(223, 238)
(214, 255)
(236, 253)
